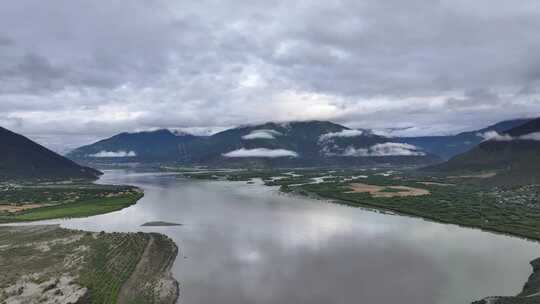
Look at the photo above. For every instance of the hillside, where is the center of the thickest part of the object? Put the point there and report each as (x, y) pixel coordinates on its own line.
(21, 158)
(515, 154)
(151, 146)
(452, 145)
(309, 143)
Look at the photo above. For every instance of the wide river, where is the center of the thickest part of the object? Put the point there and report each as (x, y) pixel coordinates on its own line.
(247, 243)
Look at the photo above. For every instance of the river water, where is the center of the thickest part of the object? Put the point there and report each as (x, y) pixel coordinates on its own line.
(247, 243)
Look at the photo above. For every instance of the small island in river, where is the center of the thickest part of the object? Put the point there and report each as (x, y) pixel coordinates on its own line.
(159, 224)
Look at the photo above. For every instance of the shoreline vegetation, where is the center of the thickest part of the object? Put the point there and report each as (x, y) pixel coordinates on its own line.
(49, 264)
(27, 203)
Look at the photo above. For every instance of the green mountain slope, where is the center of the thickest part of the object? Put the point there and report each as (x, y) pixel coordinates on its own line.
(452, 145)
(152, 146)
(514, 154)
(21, 158)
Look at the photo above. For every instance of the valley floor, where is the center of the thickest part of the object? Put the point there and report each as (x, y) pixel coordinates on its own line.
(117, 267)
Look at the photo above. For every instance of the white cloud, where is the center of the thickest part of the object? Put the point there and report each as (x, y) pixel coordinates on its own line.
(531, 136)
(356, 152)
(261, 152)
(384, 149)
(114, 154)
(494, 135)
(395, 149)
(263, 133)
(343, 133)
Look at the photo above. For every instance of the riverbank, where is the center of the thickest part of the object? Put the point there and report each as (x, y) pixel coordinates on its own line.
(529, 295)
(49, 264)
(508, 210)
(463, 205)
(25, 203)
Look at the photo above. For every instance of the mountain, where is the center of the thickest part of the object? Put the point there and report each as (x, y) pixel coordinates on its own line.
(21, 158)
(308, 143)
(151, 146)
(515, 154)
(449, 146)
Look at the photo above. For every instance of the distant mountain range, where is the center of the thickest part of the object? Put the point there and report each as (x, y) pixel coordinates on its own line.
(21, 158)
(514, 154)
(310, 143)
(511, 147)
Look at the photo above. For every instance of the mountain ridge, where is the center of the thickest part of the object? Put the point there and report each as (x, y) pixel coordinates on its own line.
(451, 145)
(24, 159)
(297, 143)
(165, 146)
(513, 154)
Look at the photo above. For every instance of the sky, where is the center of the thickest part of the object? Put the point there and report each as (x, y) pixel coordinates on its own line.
(72, 72)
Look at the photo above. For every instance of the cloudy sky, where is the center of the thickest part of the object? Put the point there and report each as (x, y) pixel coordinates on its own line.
(75, 71)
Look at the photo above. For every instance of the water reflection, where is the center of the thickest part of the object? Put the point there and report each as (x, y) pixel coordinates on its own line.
(245, 243)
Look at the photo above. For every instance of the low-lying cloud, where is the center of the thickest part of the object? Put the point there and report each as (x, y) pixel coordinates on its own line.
(114, 154)
(343, 133)
(384, 149)
(531, 136)
(262, 134)
(495, 136)
(261, 152)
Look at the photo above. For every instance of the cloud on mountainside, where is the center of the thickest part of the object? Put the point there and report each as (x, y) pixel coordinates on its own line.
(261, 152)
(379, 150)
(531, 136)
(495, 136)
(262, 134)
(343, 133)
(114, 154)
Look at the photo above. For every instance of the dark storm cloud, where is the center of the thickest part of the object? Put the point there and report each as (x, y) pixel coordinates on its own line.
(120, 65)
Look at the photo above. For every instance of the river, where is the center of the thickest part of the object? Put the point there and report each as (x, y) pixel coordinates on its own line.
(248, 243)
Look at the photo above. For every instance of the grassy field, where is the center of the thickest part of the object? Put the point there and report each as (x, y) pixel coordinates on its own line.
(33, 203)
(49, 264)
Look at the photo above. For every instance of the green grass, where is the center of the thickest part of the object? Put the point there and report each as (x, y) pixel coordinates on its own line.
(391, 190)
(87, 204)
(110, 263)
